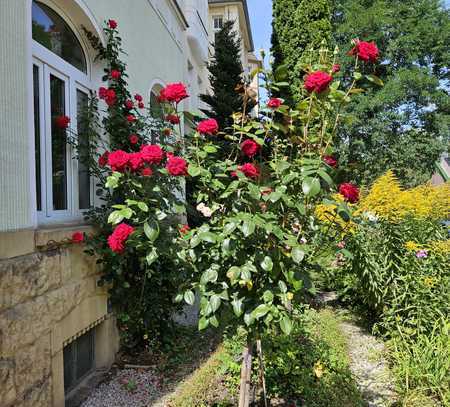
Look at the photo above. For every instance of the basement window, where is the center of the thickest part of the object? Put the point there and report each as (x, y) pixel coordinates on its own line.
(78, 360)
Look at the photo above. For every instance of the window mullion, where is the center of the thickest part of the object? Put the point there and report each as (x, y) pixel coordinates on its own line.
(72, 164)
(47, 146)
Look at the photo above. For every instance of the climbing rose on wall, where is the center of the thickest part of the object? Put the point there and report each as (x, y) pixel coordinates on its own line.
(317, 81)
(129, 104)
(274, 103)
(350, 192)
(135, 161)
(62, 122)
(174, 92)
(176, 166)
(131, 118)
(366, 51)
(138, 97)
(119, 236)
(103, 159)
(173, 119)
(134, 139)
(118, 160)
(209, 126)
(330, 160)
(78, 237)
(250, 148)
(146, 172)
(336, 68)
(112, 24)
(152, 154)
(115, 74)
(249, 170)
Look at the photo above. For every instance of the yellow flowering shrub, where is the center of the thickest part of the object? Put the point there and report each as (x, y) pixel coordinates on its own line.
(326, 213)
(388, 200)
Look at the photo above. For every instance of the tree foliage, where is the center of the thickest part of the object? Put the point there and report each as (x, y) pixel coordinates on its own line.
(404, 125)
(298, 26)
(225, 74)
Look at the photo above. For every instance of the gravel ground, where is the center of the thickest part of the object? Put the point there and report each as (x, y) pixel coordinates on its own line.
(129, 388)
(369, 366)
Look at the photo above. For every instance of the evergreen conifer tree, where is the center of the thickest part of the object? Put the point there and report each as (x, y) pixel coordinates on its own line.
(225, 75)
(298, 26)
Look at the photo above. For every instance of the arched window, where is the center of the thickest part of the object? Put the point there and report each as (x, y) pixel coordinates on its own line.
(155, 105)
(61, 87)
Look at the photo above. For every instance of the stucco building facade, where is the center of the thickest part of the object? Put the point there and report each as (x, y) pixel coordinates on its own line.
(56, 326)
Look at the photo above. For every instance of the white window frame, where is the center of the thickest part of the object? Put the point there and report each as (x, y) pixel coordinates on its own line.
(50, 63)
(217, 17)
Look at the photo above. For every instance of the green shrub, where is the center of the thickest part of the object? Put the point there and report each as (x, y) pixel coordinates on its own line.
(423, 366)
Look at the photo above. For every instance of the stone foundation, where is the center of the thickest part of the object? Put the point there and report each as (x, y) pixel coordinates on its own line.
(47, 299)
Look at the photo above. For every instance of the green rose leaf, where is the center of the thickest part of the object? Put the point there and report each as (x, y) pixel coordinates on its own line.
(260, 311)
(268, 296)
(237, 307)
(142, 206)
(203, 323)
(297, 255)
(189, 297)
(151, 257)
(267, 264)
(286, 325)
(193, 170)
(214, 302)
(248, 227)
(151, 232)
(115, 217)
(311, 186)
(208, 276)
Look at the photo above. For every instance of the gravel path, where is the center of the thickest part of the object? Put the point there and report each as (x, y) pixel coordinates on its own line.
(130, 388)
(369, 366)
(367, 361)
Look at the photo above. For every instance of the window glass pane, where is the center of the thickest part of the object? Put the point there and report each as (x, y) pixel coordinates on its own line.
(69, 364)
(59, 146)
(85, 354)
(84, 179)
(51, 31)
(155, 106)
(37, 136)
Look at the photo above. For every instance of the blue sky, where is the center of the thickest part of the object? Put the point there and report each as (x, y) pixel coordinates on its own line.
(261, 18)
(261, 22)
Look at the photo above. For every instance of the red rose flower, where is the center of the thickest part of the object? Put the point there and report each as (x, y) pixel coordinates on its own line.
(138, 97)
(102, 92)
(350, 192)
(129, 104)
(208, 126)
(146, 172)
(112, 24)
(134, 139)
(135, 161)
(330, 160)
(250, 148)
(184, 229)
(131, 118)
(110, 97)
(336, 68)
(152, 154)
(103, 159)
(141, 105)
(366, 51)
(317, 81)
(118, 160)
(115, 74)
(173, 119)
(249, 170)
(162, 96)
(176, 166)
(119, 236)
(174, 92)
(78, 237)
(62, 122)
(274, 103)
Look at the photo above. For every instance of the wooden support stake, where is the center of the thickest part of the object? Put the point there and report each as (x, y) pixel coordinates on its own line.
(246, 374)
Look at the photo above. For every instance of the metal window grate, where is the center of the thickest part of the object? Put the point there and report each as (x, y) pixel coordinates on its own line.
(78, 360)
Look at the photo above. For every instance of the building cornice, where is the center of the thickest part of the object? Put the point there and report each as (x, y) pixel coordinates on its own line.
(247, 16)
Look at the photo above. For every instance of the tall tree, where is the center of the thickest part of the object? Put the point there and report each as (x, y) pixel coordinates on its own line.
(404, 125)
(297, 27)
(225, 74)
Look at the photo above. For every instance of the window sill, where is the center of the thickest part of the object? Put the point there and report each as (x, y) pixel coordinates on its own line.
(22, 242)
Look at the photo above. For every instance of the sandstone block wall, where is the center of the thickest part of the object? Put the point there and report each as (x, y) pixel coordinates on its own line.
(47, 299)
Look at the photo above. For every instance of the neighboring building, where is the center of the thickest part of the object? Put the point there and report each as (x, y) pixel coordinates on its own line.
(237, 11)
(55, 324)
(442, 173)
